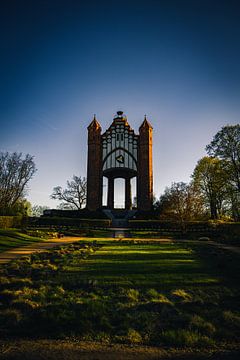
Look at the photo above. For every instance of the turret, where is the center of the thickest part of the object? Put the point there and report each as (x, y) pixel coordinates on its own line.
(145, 175)
(94, 183)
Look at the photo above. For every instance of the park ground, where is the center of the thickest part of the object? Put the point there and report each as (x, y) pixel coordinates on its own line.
(121, 299)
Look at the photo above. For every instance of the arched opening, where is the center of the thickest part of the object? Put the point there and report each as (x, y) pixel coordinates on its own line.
(134, 192)
(119, 193)
(104, 191)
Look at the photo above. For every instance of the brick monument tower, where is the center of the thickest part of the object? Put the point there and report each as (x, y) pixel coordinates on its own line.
(119, 153)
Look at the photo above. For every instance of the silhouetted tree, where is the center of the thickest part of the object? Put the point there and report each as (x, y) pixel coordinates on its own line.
(37, 210)
(180, 202)
(226, 146)
(74, 196)
(210, 177)
(15, 173)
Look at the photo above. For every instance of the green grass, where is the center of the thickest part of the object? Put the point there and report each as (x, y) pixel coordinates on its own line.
(11, 238)
(151, 293)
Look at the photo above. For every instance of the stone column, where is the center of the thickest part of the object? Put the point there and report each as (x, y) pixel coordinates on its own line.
(128, 195)
(110, 199)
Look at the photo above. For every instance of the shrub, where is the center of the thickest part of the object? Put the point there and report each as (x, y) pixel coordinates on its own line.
(134, 337)
(183, 337)
(42, 234)
(181, 295)
(132, 295)
(10, 317)
(25, 305)
(10, 222)
(199, 324)
(103, 338)
(16, 283)
(154, 296)
(231, 319)
(4, 281)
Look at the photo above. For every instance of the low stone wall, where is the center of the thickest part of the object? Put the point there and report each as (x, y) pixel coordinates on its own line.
(67, 222)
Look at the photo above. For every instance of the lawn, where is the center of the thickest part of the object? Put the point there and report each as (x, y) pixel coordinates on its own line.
(11, 238)
(171, 294)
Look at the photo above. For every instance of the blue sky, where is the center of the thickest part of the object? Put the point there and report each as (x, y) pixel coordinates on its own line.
(63, 61)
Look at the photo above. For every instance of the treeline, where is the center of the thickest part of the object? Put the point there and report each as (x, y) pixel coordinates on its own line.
(214, 191)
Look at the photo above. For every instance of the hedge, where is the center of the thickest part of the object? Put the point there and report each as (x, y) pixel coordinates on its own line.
(218, 231)
(228, 233)
(10, 222)
(169, 225)
(64, 221)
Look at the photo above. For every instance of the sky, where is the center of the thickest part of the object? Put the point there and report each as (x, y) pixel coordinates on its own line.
(62, 61)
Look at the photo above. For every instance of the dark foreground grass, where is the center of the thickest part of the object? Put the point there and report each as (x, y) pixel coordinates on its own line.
(11, 238)
(159, 294)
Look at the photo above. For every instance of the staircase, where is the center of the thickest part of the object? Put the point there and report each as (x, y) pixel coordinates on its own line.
(119, 217)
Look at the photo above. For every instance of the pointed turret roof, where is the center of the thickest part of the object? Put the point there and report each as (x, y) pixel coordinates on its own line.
(145, 124)
(94, 125)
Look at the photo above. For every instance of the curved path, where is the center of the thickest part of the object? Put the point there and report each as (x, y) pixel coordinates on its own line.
(14, 253)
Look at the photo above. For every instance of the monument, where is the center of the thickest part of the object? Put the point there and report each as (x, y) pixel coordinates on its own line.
(119, 153)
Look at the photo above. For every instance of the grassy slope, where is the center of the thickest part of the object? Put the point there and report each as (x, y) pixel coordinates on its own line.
(11, 238)
(147, 265)
(168, 294)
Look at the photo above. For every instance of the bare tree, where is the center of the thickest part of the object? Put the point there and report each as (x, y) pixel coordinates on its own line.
(15, 173)
(181, 202)
(74, 196)
(37, 210)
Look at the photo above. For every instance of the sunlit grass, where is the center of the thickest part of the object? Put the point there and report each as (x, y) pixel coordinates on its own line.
(11, 238)
(166, 294)
(155, 265)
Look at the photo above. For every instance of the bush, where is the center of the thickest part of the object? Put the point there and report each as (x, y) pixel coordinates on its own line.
(10, 222)
(199, 324)
(72, 222)
(231, 319)
(134, 337)
(181, 295)
(10, 318)
(183, 337)
(132, 295)
(154, 296)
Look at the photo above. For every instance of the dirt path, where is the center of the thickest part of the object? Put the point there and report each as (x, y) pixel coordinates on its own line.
(11, 254)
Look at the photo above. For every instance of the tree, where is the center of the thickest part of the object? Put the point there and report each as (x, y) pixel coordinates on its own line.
(74, 196)
(210, 177)
(180, 202)
(226, 146)
(15, 173)
(37, 210)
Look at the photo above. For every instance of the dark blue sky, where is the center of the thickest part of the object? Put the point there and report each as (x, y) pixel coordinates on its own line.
(63, 61)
